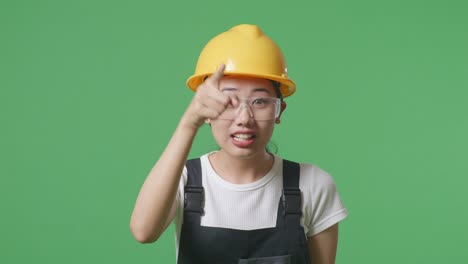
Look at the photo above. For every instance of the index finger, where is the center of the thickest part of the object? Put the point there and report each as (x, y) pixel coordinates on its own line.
(217, 75)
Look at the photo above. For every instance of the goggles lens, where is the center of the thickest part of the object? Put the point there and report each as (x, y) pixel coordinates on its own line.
(258, 108)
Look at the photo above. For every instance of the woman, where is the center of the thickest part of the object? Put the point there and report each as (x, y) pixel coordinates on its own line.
(240, 204)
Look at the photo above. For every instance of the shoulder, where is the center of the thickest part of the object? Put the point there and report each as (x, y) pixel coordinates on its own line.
(315, 180)
(311, 173)
(199, 163)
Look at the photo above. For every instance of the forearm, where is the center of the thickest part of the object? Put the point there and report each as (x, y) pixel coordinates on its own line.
(157, 195)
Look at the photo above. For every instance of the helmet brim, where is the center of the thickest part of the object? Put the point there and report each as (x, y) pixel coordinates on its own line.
(287, 88)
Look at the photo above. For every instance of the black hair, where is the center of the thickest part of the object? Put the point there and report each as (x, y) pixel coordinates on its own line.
(277, 86)
(272, 147)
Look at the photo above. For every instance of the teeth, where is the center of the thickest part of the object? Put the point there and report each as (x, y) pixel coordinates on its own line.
(243, 136)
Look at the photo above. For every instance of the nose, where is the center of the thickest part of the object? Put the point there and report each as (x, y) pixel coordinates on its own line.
(244, 115)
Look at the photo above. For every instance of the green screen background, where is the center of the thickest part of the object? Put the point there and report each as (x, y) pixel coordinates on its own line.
(91, 91)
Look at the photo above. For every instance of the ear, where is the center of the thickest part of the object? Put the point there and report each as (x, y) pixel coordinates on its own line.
(283, 107)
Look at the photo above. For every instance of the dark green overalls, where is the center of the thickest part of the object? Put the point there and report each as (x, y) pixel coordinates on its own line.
(284, 244)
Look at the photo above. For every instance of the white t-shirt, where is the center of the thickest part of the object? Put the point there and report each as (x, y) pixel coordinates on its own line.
(255, 205)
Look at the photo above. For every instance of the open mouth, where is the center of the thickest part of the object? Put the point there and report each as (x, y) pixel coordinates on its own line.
(243, 137)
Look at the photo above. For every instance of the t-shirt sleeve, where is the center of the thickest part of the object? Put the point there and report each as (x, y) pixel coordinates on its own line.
(322, 203)
(179, 215)
(180, 195)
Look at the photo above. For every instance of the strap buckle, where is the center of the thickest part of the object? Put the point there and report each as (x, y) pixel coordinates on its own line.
(194, 199)
(292, 201)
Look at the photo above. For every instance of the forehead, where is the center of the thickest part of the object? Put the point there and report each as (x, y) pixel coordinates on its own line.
(247, 84)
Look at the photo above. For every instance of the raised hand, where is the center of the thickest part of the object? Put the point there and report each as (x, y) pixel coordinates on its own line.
(208, 102)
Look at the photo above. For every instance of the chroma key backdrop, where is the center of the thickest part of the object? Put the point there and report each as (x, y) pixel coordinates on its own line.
(91, 92)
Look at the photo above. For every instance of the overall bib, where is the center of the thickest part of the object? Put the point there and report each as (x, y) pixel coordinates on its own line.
(284, 244)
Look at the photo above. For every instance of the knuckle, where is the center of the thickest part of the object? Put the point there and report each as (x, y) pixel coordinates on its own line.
(226, 100)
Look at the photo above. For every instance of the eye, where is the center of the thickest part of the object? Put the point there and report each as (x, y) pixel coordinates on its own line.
(259, 101)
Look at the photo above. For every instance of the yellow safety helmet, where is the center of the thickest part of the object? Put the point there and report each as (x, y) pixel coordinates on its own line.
(246, 51)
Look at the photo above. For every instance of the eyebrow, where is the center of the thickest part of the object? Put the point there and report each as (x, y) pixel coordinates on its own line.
(229, 89)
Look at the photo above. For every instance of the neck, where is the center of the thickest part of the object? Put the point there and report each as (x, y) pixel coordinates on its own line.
(241, 170)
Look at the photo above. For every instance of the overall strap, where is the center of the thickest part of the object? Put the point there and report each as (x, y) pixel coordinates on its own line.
(194, 195)
(291, 198)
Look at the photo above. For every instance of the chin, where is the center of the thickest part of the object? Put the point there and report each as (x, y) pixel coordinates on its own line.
(243, 153)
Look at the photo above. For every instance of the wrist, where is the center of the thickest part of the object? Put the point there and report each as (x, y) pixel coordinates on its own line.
(188, 124)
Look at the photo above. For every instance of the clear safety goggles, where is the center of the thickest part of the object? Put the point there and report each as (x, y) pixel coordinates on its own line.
(258, 108)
